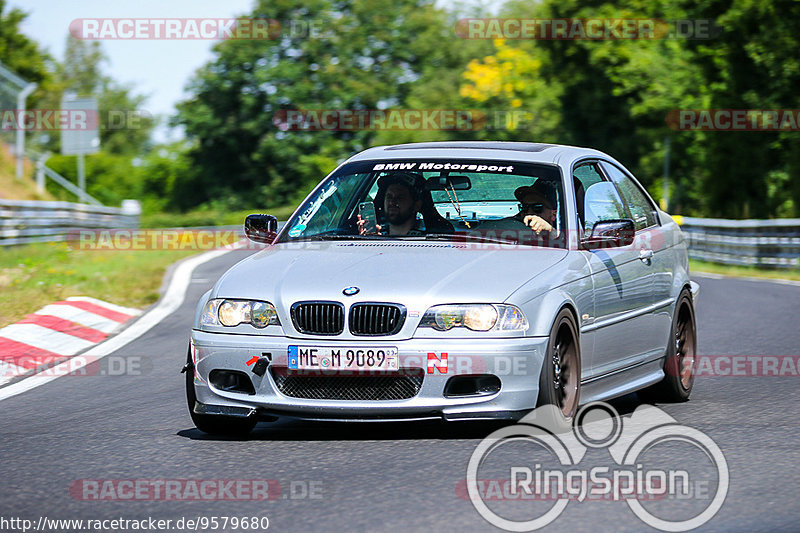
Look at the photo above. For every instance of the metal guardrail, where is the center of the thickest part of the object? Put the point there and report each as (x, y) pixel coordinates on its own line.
(23, 222)
(764, 243)
(43, 171)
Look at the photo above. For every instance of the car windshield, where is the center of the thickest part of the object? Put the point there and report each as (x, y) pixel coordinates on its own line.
(443, 199)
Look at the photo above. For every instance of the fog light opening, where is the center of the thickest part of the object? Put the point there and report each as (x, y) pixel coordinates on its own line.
(481, 385)
(231, 381)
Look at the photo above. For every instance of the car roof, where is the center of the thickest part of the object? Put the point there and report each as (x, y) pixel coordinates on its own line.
(509, 151)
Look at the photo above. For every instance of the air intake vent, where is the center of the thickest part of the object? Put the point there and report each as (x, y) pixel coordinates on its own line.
(318, 318)
(400, 386)
(376, 318)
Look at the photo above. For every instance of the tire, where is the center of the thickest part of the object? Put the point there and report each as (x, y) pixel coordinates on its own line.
(560, 379)
(679, 363)
(213, 424)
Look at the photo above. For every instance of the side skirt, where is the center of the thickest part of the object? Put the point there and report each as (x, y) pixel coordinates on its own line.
(622, 382)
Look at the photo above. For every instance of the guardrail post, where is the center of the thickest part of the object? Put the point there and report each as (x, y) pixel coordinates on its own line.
(40, 175)
(131, 209)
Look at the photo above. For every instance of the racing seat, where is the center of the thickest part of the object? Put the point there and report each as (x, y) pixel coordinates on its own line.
(434, 221)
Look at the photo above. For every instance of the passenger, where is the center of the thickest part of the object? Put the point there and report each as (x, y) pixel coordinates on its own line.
(537, 211)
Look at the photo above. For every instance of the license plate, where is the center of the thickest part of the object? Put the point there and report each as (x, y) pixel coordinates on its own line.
(330, 358)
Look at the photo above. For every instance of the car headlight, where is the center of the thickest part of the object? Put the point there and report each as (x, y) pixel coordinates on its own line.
(220, 312)
(477, 317)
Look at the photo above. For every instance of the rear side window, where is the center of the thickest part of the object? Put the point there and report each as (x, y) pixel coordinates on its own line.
(642, 211)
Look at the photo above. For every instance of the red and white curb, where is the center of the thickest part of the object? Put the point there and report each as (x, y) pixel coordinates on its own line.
(56, 332)
(171, 300)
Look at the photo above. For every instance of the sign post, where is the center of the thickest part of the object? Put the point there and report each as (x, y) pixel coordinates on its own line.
(83, 135)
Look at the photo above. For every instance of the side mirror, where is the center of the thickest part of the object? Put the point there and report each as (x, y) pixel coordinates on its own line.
(610, 234)
(261, 228)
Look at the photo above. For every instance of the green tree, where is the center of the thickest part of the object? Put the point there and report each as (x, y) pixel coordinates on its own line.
(124, 127)
(17, 51)
(617, 94)
(752, 64)
(362, 55)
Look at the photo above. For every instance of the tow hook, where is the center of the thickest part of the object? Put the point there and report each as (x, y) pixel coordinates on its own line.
(260, 368)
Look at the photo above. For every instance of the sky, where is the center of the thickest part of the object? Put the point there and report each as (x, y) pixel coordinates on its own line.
(158, 69)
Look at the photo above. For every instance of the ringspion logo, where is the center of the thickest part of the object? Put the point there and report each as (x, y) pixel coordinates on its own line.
(552, 473)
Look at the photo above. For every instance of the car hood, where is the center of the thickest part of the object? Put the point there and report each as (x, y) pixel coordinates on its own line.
(416, 274)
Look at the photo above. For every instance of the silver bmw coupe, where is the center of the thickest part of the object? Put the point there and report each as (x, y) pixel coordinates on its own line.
(453, 281)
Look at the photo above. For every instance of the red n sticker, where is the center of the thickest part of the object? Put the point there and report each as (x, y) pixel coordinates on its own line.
(438, 363)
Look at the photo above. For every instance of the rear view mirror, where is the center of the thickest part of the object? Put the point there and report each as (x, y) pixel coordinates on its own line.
(610, 234)
(440, 183)
(261, 228)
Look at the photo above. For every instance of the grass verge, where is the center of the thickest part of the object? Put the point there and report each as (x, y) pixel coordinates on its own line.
(743, 272)
(12, 188)
(35, 275)
(209, 217)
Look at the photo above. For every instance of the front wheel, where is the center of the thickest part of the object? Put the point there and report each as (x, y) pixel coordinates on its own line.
(212, 424)
(560, 380)
(679, 365)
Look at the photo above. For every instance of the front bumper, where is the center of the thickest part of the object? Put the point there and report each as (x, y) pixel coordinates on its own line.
(516, 362)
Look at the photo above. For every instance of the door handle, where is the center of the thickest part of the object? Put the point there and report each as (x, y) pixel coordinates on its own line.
(646, 256)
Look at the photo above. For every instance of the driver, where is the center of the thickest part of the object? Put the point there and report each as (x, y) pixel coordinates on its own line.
(401, 203)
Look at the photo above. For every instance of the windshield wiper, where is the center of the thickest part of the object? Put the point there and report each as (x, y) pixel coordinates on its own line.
(442, 236)
(336, 237)
(468, 236)
(332, 235)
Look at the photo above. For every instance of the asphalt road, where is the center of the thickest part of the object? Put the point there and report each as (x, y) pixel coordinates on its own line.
(385, 477)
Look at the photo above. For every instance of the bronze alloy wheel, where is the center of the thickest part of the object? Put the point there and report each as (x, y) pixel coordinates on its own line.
(560, 380)
(565, 377)
(685, 348)
(681, 351)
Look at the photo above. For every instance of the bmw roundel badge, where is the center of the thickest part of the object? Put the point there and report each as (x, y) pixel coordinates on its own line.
(350, 291)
